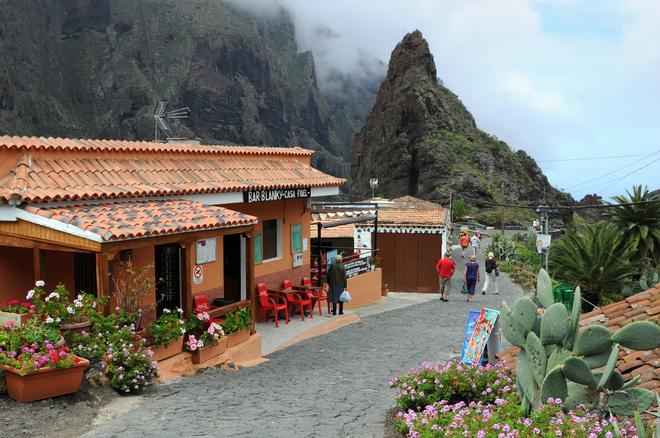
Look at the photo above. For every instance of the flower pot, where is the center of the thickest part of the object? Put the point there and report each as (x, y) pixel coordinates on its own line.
(44, 383)
(75, 327)
(206, 353)
(238, 337)
(164, 351)
(19, 319)
(384, 291)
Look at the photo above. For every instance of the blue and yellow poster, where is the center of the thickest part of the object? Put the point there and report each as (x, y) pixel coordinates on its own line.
(474, 350)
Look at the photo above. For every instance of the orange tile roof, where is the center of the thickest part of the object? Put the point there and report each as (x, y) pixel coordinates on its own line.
(48, 170)
(639, 307)
(136, 219)
(411, 211)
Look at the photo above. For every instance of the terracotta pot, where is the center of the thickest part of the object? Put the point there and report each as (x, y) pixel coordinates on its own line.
(206, 353)
(45, 382)
(164, 351)
(384, 292)
(18, 318)
(238, 337)
(75, 327)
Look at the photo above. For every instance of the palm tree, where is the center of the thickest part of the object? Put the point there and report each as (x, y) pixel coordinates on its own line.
(639, 224)
(594, 259)
(460, 209)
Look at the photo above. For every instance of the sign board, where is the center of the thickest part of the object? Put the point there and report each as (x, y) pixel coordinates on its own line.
(297, 260)
(198, 274)
(357, 267)
(253, 196)
(257, 248)
(474, 350)
(542, 242)
(362, 240)
(205, 251)
(473, 317)
(330, 258)
(296, 239)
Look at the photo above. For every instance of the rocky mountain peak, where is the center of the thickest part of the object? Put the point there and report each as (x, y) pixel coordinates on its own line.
(412, 56)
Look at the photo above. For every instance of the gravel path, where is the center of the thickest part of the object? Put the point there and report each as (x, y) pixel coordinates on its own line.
(334, 385)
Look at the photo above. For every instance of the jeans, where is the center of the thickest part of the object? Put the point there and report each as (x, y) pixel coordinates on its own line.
(491, 278)
(444, 287)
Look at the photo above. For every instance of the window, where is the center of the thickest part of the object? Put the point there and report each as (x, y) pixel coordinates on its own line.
(84, 268)
(271, 239)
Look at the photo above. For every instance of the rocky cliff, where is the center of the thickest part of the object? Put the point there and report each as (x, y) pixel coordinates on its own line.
(97, 68)
(420, 140)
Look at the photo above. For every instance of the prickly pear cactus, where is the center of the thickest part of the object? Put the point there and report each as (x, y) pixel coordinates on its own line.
(558, 360)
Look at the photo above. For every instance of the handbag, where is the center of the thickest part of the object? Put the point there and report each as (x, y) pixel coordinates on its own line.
(345, 297)
(465, 290)
(497, 272)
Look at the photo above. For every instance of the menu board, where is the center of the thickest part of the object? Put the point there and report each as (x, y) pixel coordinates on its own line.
(296, 238)
(205, 251)
(257, 248)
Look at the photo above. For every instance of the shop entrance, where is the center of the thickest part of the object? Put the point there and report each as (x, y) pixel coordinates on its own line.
(168, 277)
(234, 267)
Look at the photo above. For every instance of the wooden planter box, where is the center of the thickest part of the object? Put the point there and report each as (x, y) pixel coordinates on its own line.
(44, 383)
(206, 353)
(238, 337)
(164, 351)
(18, 318)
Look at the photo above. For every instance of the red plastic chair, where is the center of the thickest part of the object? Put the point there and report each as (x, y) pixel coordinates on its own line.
(297, 299)
(269, 303)
(201, 304)
(316, 295)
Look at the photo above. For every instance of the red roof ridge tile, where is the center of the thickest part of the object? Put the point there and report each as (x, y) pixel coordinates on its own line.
(19, 184)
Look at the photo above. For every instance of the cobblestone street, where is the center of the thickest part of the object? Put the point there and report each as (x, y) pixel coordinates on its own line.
(334, 385)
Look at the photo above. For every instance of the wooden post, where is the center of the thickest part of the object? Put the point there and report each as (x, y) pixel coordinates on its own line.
(36, 259)
(102, 279)
(189, 255)
(251, 287)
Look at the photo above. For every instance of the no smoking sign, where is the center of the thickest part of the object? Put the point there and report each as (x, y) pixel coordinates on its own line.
(198, 274)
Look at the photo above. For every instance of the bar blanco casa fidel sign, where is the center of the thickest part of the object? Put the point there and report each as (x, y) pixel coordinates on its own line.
(275, 195)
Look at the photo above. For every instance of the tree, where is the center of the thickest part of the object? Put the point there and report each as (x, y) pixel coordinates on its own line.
(594, 259)
(639, 224)
(460, 209)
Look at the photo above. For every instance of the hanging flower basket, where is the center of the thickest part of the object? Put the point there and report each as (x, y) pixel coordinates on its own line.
(238, 337)
(168, 350)
(44, 383)
(209, 352)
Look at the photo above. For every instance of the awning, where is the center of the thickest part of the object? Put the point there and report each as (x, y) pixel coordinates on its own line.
(115, 221)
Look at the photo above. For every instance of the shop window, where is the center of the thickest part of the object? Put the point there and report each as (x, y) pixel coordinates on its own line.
(271, 240)
(84, 272)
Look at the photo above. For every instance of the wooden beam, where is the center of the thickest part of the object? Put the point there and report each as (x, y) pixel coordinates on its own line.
(189, 255)
(20, 242)
(222, 311)
(102, 279)
(36, 264)
(251, 287)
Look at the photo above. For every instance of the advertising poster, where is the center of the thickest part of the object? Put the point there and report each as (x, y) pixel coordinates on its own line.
(475, 347)
(362, 242)
(473, 317)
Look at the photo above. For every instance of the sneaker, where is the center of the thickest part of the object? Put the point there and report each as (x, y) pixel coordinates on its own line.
(341, 313)
(445, 300)
(483, 292)
(497, 293)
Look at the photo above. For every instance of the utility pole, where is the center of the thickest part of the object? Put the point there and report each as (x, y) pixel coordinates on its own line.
(502, 208)
(544, 210)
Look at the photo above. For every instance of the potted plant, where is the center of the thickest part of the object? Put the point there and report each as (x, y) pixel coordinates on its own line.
(133, 288)
(128, 365)
(35, 368)
(16, 312)
(384, 290)
(165, 334)
(237, 326)
(56, 310)
(205, 342)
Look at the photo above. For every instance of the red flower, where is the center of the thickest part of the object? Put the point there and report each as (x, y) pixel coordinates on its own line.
(76, 360)
(26, 305)
(25, 344)
(65, 349)
(14, 302)
(4, 305)
(54, 356)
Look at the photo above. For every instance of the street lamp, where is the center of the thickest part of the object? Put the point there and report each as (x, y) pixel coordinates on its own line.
(544, 210)
(373, 183)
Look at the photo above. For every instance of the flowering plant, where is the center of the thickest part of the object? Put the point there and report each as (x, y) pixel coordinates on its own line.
(167, 328)
(202, 335)
(238, 320)
(453, 382)
(127, 363)
(16, 306)
(133, 287)
(55, 308)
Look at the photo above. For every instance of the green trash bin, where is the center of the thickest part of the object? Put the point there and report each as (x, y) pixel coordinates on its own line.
(563, 293)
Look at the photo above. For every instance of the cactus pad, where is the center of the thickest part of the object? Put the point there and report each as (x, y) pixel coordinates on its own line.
(597, 360)
(615, 382)
(558, 357)
(525, 313)
(526, 377)
(536, 357)
(544, 289)
(632, 382)
(512, 331)
(634, 399)
(554, 385)
(574, 324)
(593, 339)
(608, 370)
(554, 324)
(576, 370)
(638, 335)
(581, 394)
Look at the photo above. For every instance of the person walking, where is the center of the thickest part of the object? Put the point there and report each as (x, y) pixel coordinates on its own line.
(475, 242)
(491, 274)
(471, 276)
(445, 268)
(337, 284)
(465, 241)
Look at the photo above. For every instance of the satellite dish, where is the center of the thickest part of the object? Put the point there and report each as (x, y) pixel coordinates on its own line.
(161, 116)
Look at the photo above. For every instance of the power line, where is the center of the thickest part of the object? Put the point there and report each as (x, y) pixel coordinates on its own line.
(628, 174)
(610, 173)
(591, 158)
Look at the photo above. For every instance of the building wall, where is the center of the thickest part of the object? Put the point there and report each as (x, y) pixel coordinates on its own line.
(16, 272)
(274, 272)
(408, 261)
(365, 288)
(213, 279)
(58, 267)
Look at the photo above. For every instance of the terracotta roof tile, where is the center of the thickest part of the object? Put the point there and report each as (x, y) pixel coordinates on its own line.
(639, 307)
(135, 219)
(410, 211)
(62, 169)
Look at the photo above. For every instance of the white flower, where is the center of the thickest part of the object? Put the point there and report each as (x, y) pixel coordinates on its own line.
(180, 310)
(70, 310)
(40, 283)
(181, 321)
(30, 294)
(80, 297)
(183, 331)
(167, 311)
(53, 295)
(49, 320)
(58, 320)
(77, 303)
(94, 304)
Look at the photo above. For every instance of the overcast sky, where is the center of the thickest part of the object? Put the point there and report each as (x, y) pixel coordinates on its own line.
(560, 79)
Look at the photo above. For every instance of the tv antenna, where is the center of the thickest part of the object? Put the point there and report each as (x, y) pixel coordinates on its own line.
(161, 117)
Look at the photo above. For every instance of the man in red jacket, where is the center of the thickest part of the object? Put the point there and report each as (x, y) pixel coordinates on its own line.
(445, 268)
